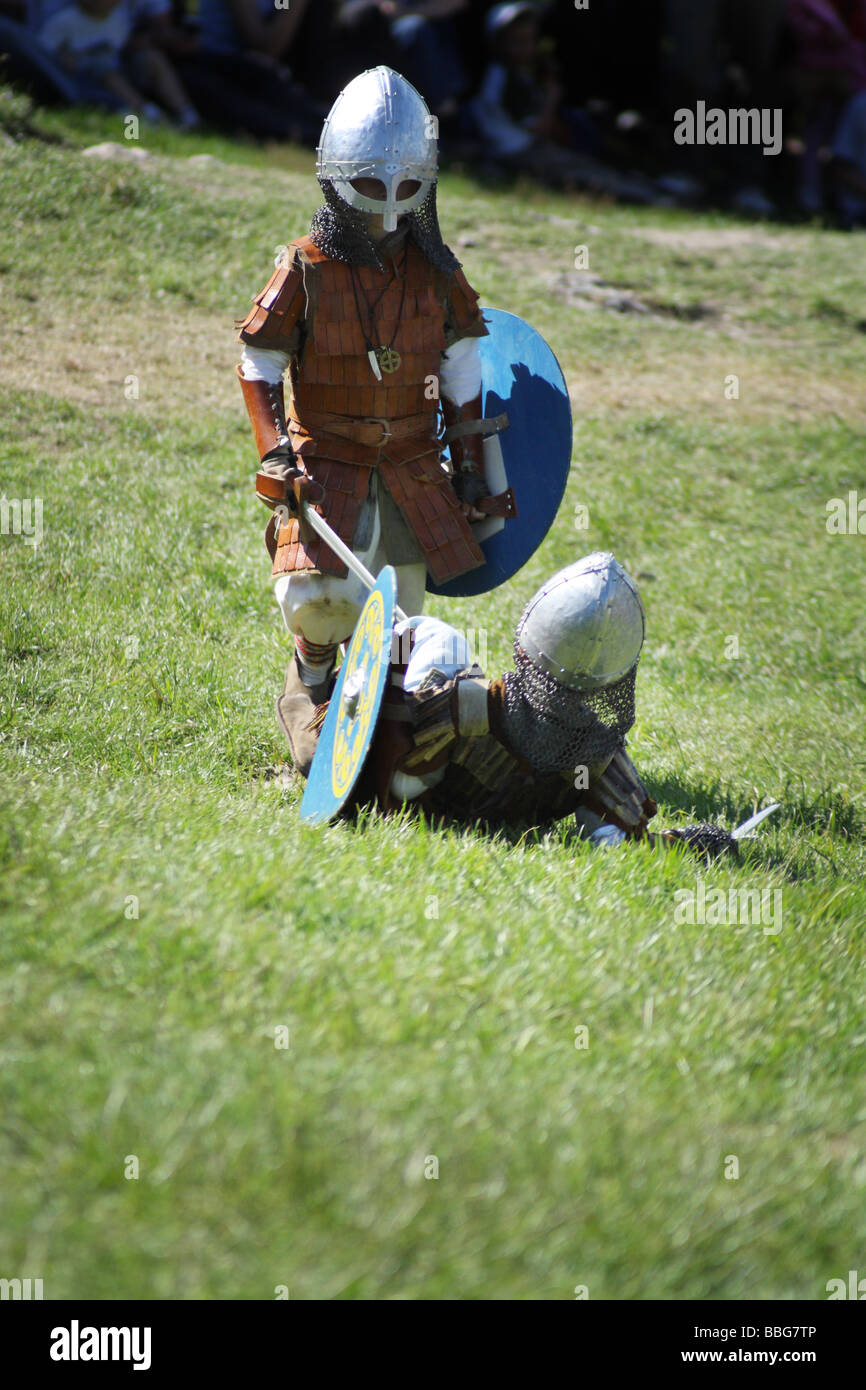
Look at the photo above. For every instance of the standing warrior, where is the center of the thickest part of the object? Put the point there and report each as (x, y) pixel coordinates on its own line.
(375, 321)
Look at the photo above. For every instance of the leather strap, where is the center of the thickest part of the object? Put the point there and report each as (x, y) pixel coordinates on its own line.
(289, 490)
(495, 424)
(503, 504)
(373, 432)
(267, 486)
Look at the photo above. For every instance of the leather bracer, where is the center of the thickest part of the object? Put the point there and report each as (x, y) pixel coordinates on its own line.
(465, 432)
(465, 444)
(266, 406)
(619, 796)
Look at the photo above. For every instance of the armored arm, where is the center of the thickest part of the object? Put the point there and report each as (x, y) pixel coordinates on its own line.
(265, 404)
(618, 796)
(466, 429)
(468, 478)
(440, 712)
(271, 334)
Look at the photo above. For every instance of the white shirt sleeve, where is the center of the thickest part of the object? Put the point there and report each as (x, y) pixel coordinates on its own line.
(263, 364)
(460, 372)
(82, 32)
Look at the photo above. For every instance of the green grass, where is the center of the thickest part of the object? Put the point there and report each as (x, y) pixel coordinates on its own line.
(164, 911)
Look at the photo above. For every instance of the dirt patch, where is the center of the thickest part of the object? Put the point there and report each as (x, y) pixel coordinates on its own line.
(694, 384)
(588, 291)
(176, 357)
(157, 357)
(713, 238)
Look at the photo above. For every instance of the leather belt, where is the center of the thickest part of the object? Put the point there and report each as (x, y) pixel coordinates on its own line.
(372, 431)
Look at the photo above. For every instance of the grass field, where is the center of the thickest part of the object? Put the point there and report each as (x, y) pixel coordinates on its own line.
(165, 914)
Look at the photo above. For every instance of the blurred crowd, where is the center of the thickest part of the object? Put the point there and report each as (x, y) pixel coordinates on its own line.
(578, 95)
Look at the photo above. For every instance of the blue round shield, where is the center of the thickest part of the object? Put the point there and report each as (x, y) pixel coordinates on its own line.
(520, 376)
(353, 712)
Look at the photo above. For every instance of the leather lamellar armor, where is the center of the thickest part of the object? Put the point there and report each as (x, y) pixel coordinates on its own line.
(343, 422)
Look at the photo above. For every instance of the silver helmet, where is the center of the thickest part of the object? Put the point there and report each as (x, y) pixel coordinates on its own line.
(570, 700)
(381, 128)
(585, 627)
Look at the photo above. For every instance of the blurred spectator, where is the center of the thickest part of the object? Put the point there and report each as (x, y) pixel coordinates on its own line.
(521, 117)
(26, 62)
(360, 37)
(86, 52)
(519, 107)
(829, 66)
(725, 53)
(427, 37)
(234, 67)
(849, 150)
(251, 26)
(91, 38)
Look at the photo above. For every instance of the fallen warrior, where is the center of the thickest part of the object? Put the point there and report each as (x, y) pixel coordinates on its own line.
(546, 740)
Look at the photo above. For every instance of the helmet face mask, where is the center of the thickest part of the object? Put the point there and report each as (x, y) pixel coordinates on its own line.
(391, 207)
(379, 128)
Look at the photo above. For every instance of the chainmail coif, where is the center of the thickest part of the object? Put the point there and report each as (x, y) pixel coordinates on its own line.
(341, 232)
(559, 730)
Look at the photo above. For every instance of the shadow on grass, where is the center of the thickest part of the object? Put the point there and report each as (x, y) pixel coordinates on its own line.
(829, 812)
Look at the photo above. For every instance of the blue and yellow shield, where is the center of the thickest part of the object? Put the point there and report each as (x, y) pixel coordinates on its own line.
(353, 712)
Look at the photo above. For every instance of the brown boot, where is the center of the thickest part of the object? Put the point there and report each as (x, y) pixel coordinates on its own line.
(296, 710)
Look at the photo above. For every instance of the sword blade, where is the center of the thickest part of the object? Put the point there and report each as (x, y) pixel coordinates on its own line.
(753, 821)
(342, 551)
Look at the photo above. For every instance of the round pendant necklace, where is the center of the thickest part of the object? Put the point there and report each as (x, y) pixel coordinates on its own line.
(389, 360)
(384, 358)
